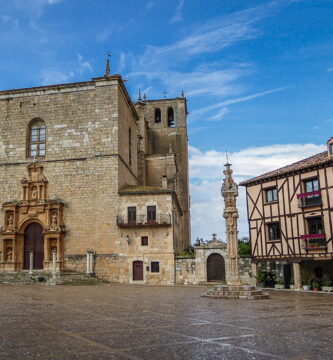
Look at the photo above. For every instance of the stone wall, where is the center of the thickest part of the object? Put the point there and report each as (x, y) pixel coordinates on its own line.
(193, 270)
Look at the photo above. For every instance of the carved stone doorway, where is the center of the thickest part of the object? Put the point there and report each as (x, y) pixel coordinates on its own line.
(34, 242)
(137, 270)
(215, 268)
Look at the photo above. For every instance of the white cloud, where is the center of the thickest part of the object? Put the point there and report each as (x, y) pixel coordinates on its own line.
(122, 62)
(206, 174)
(54, 77)
(84, 65)
(219, 115)
(221, 81)
(177, 17)
(236, 100)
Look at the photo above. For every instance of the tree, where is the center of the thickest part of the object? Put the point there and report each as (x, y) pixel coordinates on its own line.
(244, 246)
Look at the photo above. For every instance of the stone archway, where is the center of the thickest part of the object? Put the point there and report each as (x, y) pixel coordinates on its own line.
(33, 243)
(215, 267)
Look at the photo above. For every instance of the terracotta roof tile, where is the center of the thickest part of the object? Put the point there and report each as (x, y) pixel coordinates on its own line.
(310, 162)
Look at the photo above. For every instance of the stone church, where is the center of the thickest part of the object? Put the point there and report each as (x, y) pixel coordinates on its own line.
(87, 173)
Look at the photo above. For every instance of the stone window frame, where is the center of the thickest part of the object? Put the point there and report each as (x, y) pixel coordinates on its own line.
(144, 240)
(36, 137)
(155, 267)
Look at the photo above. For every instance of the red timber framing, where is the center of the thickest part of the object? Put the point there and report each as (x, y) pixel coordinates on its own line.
(305, 227)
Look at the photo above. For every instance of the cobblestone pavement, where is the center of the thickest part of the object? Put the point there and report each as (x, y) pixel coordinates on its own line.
(154, 322)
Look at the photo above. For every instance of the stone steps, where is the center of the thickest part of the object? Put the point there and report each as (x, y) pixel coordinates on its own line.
(45, 278)
(246, 292)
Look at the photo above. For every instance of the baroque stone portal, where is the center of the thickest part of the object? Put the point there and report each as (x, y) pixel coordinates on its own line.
(17, 240)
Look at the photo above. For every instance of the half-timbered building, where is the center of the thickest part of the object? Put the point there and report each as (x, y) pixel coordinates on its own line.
(290, 214)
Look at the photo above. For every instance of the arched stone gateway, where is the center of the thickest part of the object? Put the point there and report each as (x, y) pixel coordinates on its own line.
(215, 268)
(34, 242)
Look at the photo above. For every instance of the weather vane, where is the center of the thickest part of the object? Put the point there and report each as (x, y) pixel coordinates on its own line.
(226, 155)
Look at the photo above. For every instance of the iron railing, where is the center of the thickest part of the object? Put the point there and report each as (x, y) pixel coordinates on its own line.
(143, 220)
(312, 198)
(314, 241)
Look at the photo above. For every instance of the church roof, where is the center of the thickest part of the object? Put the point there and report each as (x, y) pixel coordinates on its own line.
(141, 189)
(307, 164)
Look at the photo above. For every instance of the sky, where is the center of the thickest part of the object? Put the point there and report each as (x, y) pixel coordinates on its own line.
(257, 75)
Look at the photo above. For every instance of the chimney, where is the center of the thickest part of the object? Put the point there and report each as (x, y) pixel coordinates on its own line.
(330, 147)
(164, 182)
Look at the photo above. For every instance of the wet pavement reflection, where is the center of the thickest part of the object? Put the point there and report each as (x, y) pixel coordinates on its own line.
(111, 321)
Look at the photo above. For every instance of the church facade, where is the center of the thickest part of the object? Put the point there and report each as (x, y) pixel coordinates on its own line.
(84, 170)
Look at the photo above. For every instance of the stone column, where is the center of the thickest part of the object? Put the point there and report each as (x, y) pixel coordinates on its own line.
(88, 263)
(31, 260)
(297, 276)
(229, 192)
(254, 268)
(54, 263)
(92, 262)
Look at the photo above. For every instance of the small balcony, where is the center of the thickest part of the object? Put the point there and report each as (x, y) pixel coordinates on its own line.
(142, 220)
(308, 199)
(314, 241)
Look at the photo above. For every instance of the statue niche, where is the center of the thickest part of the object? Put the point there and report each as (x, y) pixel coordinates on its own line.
(35, 207)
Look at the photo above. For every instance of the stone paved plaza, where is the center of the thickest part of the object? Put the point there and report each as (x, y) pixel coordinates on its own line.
(153, 322)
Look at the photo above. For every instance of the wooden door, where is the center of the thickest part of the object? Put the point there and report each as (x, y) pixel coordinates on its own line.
(137, 270)
(34, 241)
(215, 268)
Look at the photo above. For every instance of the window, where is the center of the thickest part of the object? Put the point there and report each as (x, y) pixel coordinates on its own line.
(37, 138)
(171, 118)
(311, 185)
(151, 214)
(271, 195)
(157, 115)
(130, 147)
(144, 240)
(273, 231)
(131, 214)
(155, 267)
(315, 225)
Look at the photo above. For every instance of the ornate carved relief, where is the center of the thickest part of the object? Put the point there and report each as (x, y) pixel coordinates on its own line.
(35, 206)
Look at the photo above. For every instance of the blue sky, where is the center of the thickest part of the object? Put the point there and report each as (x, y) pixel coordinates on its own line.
(258, 75)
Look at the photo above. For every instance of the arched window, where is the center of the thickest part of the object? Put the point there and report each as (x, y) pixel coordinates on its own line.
(171, 118)
(130, 147)
(37, 138)
(157, 115)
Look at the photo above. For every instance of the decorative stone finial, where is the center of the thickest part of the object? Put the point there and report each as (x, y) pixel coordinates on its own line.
(144, 97)
(182, 94)
(107, 66)
(164, 93)
(139, 97)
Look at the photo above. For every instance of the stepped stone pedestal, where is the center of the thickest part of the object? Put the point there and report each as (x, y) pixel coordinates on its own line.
(247, 292)
(47, 278)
